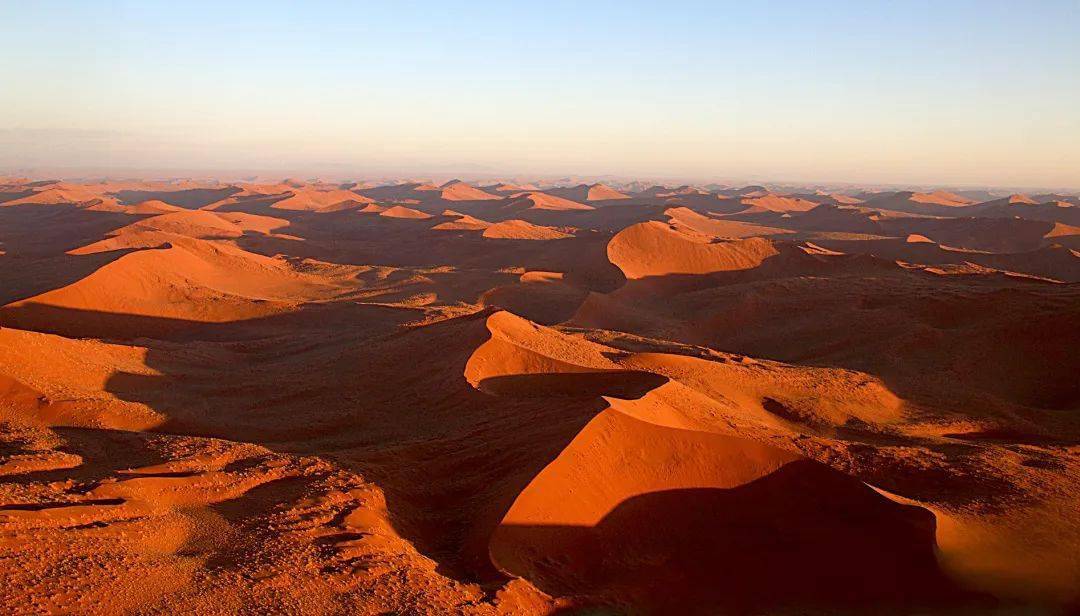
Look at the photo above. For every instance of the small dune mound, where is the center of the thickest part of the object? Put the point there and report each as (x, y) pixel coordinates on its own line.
(541, 201)
(158, 230)
(588, 192)
(777, 203)
(656, 249)
(456, 190)
(311, 200)
(937, 203)
(1061, 229)
(400, 211)
(463, 222)
(58, 194)
(507, 187)
(940, 197)
(844, 199)
(686, 218)
(915, 238)
(522, 230)
(257, 223)
(666, 520)
(153, 206)
(1021, 200)
(198, 224)
(372, 208)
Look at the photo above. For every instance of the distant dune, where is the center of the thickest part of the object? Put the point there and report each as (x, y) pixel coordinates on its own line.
(521, 230)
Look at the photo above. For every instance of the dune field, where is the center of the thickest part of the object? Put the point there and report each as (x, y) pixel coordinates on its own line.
(523, 397)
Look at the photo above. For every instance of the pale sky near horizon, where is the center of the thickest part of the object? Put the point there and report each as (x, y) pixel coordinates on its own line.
(948, 92)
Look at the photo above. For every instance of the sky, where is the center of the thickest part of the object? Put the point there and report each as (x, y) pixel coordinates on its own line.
(944, 92)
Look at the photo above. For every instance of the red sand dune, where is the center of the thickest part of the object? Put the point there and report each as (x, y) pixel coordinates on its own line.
(462, 222)
(686, 218)
(677, 520)
(521, 230)
(400, 211)
(777, 203)
(656, 249)
(588, 192)
(535, 200)
(306, 199)
(456, 190)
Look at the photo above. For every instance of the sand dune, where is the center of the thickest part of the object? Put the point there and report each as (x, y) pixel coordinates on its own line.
(522, 230)
(185, 280)
(306, 199)
(685, 218)
(588, 192)
(535, 200)
(935, 203)
(400, 211)
(462, 222)
(456, 190)
(777, 203)
(158, 230)
(657, 515)
(656, 249)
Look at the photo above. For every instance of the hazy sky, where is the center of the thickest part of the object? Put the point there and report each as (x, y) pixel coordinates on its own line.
(960, 92)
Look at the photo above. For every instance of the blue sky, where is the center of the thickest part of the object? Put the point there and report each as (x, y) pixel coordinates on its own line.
(909, 92)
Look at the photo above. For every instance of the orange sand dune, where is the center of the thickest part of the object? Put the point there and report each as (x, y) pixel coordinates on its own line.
(657, 249)
(776, 203)
(189, 279)
(400, 211)
(456, 190)
(507, 187)
(306, 199)
(153, 206)
(521, 230)
(462, 222)
(199, 224)
(935, 203)
(686, 521)
(535, 200)
(588, 192)
(685, 218)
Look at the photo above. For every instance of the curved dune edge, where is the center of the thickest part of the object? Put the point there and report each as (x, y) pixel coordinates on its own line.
(666, 519)
(663, 448)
